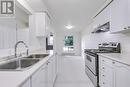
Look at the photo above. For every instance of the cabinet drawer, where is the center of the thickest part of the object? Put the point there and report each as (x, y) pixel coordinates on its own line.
(106, 60)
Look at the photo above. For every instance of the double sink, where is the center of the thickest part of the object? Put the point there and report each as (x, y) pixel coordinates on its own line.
(22, 63)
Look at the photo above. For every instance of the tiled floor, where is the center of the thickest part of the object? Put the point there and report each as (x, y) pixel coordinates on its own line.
(71, 73)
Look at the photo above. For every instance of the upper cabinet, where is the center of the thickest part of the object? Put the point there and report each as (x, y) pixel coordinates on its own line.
(42, 23)
(103, 17)
(120, 12)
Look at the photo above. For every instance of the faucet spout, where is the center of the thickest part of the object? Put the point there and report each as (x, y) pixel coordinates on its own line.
(16, 45)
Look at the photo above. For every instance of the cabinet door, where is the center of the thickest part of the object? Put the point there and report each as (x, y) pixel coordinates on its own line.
(106, 72)
(40, 24)
(50, 73)
(119, 15)
(48, 28)
(122, 75)
(26, 84)
(107, 76)
(54, 68)
(39, 78)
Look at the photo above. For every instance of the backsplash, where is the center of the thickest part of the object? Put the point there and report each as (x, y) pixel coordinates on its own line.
(7, 33)
(8, 36)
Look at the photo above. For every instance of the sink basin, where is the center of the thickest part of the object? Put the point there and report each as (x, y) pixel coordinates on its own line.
(23, 63)
(19, 64)
(37, 56)
(27, 62)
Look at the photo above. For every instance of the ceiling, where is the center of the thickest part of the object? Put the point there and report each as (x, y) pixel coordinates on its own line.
(78, 13)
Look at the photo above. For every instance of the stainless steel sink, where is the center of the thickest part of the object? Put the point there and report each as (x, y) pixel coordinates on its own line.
(19, 64)
(22, 63)
(36, 56)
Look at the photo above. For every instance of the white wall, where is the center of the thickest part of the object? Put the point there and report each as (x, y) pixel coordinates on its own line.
(60, 41)
(7, 33)
(11, 31)
(24, 32)
(90, 40)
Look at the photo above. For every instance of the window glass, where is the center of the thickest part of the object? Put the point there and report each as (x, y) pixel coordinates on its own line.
(68, 44)
(68, 41)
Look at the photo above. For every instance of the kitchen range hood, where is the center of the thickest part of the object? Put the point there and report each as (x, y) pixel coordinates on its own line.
(102, 28)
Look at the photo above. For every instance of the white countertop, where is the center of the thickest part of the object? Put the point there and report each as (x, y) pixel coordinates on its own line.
(122, 58)
(16, 78)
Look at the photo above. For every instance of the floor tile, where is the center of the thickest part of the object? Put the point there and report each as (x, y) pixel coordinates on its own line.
(71, 72)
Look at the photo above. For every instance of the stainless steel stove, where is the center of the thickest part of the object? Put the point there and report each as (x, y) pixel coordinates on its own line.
(91, 59)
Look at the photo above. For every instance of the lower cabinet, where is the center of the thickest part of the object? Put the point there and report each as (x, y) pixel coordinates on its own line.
(39, 79)
(113, 74)
(122, 75)
(106, 77)
(44, 77)
(51, 71)
(26, 84)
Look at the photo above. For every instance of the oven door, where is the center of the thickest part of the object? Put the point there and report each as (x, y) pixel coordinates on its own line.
(91, 63)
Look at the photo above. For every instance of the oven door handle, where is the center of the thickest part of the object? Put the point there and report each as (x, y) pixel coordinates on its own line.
(89, 57)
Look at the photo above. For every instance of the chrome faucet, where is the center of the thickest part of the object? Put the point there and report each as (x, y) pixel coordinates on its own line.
(16, 45)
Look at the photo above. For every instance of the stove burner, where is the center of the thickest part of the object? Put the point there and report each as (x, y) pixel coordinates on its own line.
(100, 51)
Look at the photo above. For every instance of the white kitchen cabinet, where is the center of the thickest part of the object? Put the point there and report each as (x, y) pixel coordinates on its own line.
(48, 26)
(42, 23)
(122, 75)
(54, 61)
(113, 74)
(45, 76)
(51, 71)
(103, 17)
(120, 12)
(26, 84)
(39, 78)
(106, 73)
(49, 74)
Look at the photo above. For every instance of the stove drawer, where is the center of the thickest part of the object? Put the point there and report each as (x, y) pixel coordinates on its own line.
(92, 77)
(91, 63)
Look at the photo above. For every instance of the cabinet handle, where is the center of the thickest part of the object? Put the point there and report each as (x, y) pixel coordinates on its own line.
(103, 67)
(103, 60)
(103, 75)
(113, 62)
(128, 27)
(125, 28)
(47, 63)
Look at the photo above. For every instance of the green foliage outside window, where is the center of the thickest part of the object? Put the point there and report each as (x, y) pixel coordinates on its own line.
(68, 41)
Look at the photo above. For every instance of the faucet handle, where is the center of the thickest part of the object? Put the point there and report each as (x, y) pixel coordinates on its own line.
(27, 52)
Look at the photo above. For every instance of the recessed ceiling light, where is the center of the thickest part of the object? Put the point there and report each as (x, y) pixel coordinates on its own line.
(69, 26)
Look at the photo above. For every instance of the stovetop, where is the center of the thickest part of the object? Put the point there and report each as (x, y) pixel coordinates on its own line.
(109, 47)
(99, 51)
